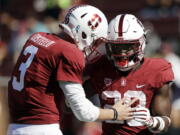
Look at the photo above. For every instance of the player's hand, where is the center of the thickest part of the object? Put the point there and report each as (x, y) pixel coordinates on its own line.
(142, 115)
(125, 111)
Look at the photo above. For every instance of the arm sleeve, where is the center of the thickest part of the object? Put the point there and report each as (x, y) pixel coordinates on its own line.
(82, 108)
(163, 76)
(71, 65)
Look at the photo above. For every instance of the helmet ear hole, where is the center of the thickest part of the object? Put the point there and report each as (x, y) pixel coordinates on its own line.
(84, 36)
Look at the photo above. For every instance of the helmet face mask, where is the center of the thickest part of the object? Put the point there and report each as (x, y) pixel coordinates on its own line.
(124, 55)
(123, 49)
(126, 42)
(85, 24)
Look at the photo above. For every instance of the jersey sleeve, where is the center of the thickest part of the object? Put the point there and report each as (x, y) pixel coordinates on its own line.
(164, 75)
(71, 66)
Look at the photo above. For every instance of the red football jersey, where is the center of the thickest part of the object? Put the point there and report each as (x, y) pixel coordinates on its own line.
(112, 85)
(33, 91)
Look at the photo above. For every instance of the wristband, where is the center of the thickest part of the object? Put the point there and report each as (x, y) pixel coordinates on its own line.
(161, 125)
(169, 120)
(115, 114)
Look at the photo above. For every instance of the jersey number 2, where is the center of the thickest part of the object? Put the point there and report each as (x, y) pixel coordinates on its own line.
(129, 94)
(19, 85)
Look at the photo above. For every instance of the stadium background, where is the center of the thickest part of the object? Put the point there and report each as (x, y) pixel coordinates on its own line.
(21, 18)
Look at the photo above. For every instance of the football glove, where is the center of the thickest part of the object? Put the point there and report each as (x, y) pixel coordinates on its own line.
(155, 124)
(142, 115)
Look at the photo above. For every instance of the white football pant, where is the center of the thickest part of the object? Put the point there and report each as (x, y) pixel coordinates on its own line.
(29, 129)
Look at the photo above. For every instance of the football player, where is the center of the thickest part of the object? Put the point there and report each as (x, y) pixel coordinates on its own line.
(125, 73)
(47, 62)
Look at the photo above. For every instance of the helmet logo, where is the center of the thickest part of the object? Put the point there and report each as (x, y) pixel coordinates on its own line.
(94, 22)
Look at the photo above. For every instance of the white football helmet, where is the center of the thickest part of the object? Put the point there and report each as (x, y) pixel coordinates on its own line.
(126, 41)
(85, 24)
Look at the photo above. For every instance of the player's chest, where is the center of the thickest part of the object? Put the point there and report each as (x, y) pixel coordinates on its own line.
(112, 88)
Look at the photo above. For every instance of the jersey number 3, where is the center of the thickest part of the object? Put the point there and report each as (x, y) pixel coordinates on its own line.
(19, 85)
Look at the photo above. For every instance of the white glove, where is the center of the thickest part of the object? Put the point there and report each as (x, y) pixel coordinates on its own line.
(142, 115)
(155, 124)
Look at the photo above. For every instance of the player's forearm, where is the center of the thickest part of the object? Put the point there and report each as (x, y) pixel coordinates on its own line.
(162, 109)
(83, 109)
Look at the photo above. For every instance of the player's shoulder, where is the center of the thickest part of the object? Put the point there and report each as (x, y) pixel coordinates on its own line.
(54, 43)
(161, 61)
(157, 71)
(70, 50)
(66, 46)
(43, 39)
(156, 63)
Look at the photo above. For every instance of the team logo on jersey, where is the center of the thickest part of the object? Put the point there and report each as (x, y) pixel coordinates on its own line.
(123, 82)
(94, 22)
(107, 81)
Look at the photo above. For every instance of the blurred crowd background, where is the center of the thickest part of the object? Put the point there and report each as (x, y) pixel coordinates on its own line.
(20, 18)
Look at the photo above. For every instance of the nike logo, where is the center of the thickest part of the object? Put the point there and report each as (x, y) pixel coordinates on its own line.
(140, 86)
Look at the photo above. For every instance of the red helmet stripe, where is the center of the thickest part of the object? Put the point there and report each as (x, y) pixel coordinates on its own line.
(120, 29)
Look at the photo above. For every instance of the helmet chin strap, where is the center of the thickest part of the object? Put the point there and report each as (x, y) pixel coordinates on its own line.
(67, 30)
